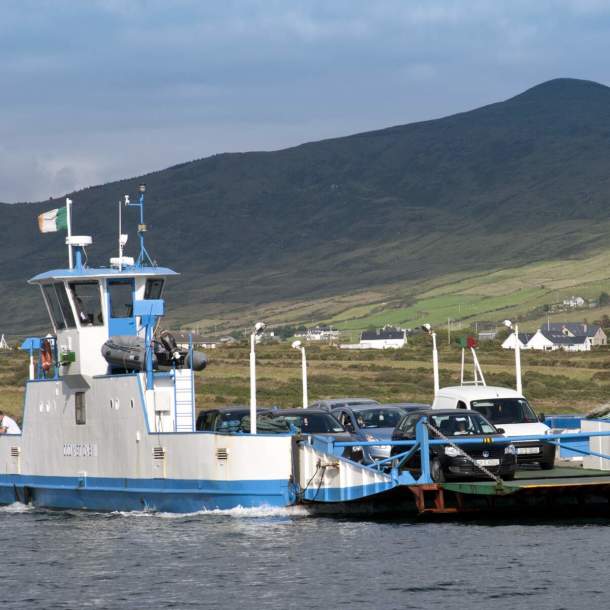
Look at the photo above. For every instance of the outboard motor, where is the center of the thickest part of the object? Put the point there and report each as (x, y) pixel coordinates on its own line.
(169, 343)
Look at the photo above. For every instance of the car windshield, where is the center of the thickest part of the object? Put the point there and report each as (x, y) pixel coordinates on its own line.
(230, 421)
(379, 418)
(312, 423)
(461, 424)
(505, 410)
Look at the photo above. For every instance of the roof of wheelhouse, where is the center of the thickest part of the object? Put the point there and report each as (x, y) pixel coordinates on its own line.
(104, 272)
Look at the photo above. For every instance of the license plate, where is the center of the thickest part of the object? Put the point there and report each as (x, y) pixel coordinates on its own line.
(527, 450)
(488, 462)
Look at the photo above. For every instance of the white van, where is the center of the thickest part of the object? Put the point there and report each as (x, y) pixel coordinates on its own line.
(507, 410)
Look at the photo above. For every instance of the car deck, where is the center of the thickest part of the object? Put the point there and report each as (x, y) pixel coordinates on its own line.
(565, 489)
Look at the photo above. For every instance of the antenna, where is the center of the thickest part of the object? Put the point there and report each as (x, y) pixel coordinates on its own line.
(143, 256)
(120, 235)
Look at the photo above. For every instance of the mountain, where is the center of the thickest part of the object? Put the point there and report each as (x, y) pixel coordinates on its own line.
(514, 182)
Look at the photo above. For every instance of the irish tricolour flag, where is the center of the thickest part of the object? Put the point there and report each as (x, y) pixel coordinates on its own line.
(54, 220)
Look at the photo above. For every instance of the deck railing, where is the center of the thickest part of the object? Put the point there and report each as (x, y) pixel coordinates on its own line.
(423, 442)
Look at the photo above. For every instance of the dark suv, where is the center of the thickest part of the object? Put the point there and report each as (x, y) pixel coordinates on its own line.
(227, 420)
(447, 462)
(316, 422)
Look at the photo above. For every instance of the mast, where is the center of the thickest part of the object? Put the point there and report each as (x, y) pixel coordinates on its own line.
(143, 257)
(69, 229)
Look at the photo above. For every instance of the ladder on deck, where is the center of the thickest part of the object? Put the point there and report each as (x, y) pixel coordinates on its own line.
(185, 400)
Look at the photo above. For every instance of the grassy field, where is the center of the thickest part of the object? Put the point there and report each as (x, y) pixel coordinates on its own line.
(516, 293)
(555, 382)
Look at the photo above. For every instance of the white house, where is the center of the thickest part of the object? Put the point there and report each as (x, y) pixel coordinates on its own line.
(319, 333)
(574, 302)
(549, 340)
(509, 342)
(596, 334)
(386, 338)
(184, 338)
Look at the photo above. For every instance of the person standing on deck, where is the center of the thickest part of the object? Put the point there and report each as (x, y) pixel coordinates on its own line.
(8, 425)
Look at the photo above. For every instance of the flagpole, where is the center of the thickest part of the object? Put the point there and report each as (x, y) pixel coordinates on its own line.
(69, 222)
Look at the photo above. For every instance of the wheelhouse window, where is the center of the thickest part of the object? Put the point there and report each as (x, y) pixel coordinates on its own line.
(88, 305)
(121, 298)
(154, 288)
(80, 412)
(59, 306)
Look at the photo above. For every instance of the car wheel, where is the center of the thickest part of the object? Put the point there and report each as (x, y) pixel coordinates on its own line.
(547, 465)
(436, 471)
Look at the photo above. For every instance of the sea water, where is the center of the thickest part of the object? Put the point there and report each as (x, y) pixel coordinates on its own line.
(287, 558)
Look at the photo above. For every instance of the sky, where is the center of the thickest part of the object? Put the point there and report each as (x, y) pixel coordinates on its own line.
(99, 90)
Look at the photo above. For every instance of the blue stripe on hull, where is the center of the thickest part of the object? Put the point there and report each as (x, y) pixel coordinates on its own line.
(346, 494)
(166, 495)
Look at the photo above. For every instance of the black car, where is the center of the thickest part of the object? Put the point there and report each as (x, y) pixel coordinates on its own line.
(227, 420)
(317, 422)
(446, 462)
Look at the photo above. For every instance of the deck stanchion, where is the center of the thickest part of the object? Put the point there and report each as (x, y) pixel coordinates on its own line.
(421, 434)
(259, 327)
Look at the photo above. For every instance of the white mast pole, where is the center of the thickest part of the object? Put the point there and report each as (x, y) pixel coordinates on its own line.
(518, 361)
(69, 223)
(435, 364)
(120, 237)
(304, 366)
(477, 368)
(252, 384)
(462, 369)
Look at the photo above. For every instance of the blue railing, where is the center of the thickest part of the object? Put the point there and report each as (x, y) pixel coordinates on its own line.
(35, 346)
(423, 442)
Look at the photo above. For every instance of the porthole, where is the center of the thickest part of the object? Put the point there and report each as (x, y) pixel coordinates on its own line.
(131, 403)
(48, 405)
(41, 407)
(111, 403)
(116, 404)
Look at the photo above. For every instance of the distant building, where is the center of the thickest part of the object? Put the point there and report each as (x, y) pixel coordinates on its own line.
(268, 336)
(319, 333)
(595, 333)
(524, 338)
(485, 331)
(183, 338)
(574, 302)
(386, 338)
(552, 340)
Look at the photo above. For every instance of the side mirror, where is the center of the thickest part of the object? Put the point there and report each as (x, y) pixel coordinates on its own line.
(501, 430)
(541, 417)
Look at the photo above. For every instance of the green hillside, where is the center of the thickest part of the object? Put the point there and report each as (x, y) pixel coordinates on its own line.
(500, 187)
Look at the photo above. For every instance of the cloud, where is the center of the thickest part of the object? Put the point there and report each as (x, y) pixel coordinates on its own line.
(99, 90)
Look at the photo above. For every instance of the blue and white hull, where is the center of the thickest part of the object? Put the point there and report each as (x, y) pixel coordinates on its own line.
(114, 461)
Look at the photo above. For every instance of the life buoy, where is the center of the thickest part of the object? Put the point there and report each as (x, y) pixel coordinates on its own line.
(46, 355)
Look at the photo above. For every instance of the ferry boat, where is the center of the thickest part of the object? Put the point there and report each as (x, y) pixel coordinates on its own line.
(109, 410)
(109, 422)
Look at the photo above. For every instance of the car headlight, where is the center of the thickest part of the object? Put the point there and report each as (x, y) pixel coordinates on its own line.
(510, 450)
(451, 451)
(356, 448)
